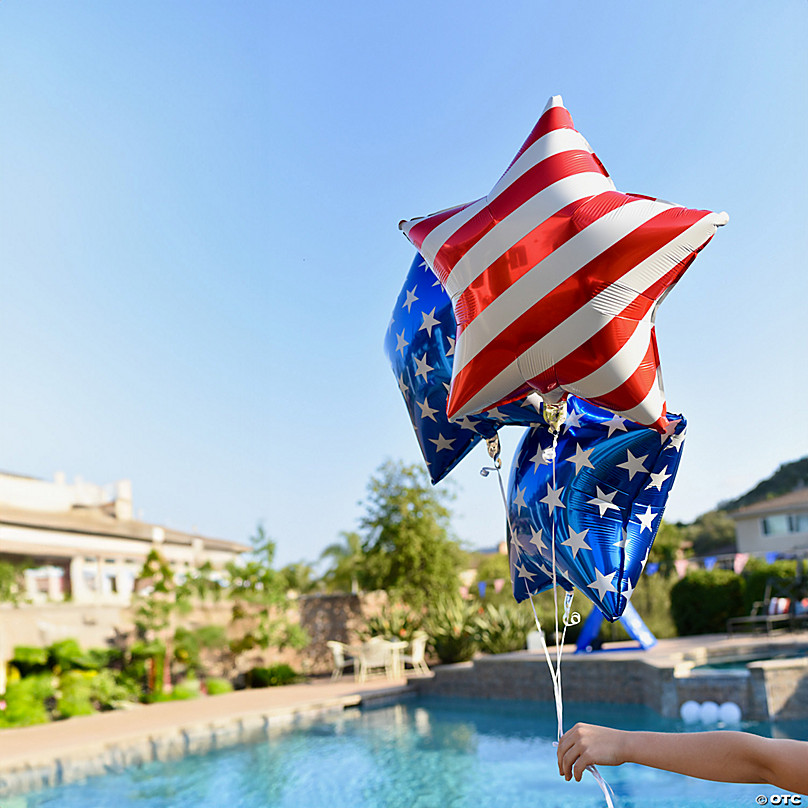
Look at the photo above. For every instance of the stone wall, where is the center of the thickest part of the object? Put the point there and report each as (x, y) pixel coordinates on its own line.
(776, 689)
(324, 617)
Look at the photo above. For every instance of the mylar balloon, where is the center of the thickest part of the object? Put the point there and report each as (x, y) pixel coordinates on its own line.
(420, 344)
(555, 278)
(604, 500)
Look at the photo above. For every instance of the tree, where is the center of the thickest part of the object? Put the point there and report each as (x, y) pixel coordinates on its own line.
(712, 532)
(347, 560)
(407, 546)
(666, 546)
(258, 592)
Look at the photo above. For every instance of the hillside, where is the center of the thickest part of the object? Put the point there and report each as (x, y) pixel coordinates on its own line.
(788, 477)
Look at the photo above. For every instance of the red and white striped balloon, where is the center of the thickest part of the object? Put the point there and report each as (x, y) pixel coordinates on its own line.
(555, 278)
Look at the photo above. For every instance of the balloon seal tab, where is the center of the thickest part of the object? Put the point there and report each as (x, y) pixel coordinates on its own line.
(554, 415)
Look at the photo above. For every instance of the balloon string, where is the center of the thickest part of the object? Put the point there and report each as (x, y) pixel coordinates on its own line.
(570, 618)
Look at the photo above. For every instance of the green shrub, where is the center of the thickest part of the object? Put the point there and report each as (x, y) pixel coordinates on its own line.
(782, 575)
(504, 628)
(64, 653)
(188, 643)
(450, 623)
(703, 601)
(184, 691)
(273, 676)
(26, 701)
(108, 690)
(216, 687)
(28, 660)
(75, 694)
(396, 622)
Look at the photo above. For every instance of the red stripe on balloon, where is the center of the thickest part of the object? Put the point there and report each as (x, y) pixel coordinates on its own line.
(563, 301)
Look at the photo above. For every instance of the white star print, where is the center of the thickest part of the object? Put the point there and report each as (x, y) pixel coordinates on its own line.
(603, 583)
(442, 443)
(603, 501)
(577, 541)
(411, 298)
(429, 321)
(465, 423)
(628, 591)
(633, 464)
(677, 440)
(647, 519)
(524, 573)
(657, 479)
(494, 414)
(614, 424)
(553, 498)
(536, 541)
(451, 341)
(402, 385)
(426, 410)
(670, 429)
(423, 368)
(402, 343)
(581, 458)
(538, 459)
(519, 499)
(621, 543)
(573, 420)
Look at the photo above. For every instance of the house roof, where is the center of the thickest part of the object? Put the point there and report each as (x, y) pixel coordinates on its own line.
(99, 522)
(797, 499)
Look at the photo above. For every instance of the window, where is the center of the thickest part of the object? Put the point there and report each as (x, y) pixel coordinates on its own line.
(775, 525)
(784, 523)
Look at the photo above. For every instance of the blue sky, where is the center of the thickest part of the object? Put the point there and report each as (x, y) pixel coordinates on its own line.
(199, 250)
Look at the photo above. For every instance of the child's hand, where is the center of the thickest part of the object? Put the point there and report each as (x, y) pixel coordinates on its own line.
(586, 744)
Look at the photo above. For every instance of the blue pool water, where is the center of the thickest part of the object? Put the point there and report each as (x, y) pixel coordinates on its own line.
(425, 753)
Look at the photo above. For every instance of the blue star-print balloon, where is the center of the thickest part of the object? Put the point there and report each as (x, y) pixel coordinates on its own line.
(603, 501)
(420, 346)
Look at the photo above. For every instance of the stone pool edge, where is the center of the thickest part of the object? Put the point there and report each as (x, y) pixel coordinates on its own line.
(25, 772)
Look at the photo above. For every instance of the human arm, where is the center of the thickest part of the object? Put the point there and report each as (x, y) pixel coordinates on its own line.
(732, 757)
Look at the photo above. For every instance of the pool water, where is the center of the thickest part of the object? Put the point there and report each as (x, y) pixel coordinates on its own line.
(422, 753)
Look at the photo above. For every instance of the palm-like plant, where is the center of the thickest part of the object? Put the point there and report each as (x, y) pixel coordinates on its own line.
(347, 560)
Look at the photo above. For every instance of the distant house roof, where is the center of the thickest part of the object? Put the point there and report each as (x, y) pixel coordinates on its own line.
(100, 522)
(795, 499)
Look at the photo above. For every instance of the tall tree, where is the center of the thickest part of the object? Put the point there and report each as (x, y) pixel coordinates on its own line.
(347, 559)
(408, 549)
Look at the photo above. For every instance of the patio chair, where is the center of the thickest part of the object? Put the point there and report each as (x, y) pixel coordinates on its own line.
(342, 659)
(416, 658)
(374, 655)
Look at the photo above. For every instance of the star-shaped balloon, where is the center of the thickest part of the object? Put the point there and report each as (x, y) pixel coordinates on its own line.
(555, 278)
(603, 502)
(420, 345)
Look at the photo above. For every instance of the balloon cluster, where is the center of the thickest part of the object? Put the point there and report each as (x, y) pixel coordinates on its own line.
(541, 297)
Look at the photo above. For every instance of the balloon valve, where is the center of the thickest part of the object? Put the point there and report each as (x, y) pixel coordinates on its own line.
(555, 415)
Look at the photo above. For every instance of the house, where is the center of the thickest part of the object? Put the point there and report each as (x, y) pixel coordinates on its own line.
(776, 525)
(80, 540)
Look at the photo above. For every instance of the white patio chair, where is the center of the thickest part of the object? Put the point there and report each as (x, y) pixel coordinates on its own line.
(341, 659)
(416, 658)
(374, 655)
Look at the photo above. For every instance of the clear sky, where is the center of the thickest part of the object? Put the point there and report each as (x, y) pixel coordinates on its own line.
(199, 252)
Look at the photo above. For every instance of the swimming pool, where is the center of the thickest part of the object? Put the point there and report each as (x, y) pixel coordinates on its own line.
(422, 753)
